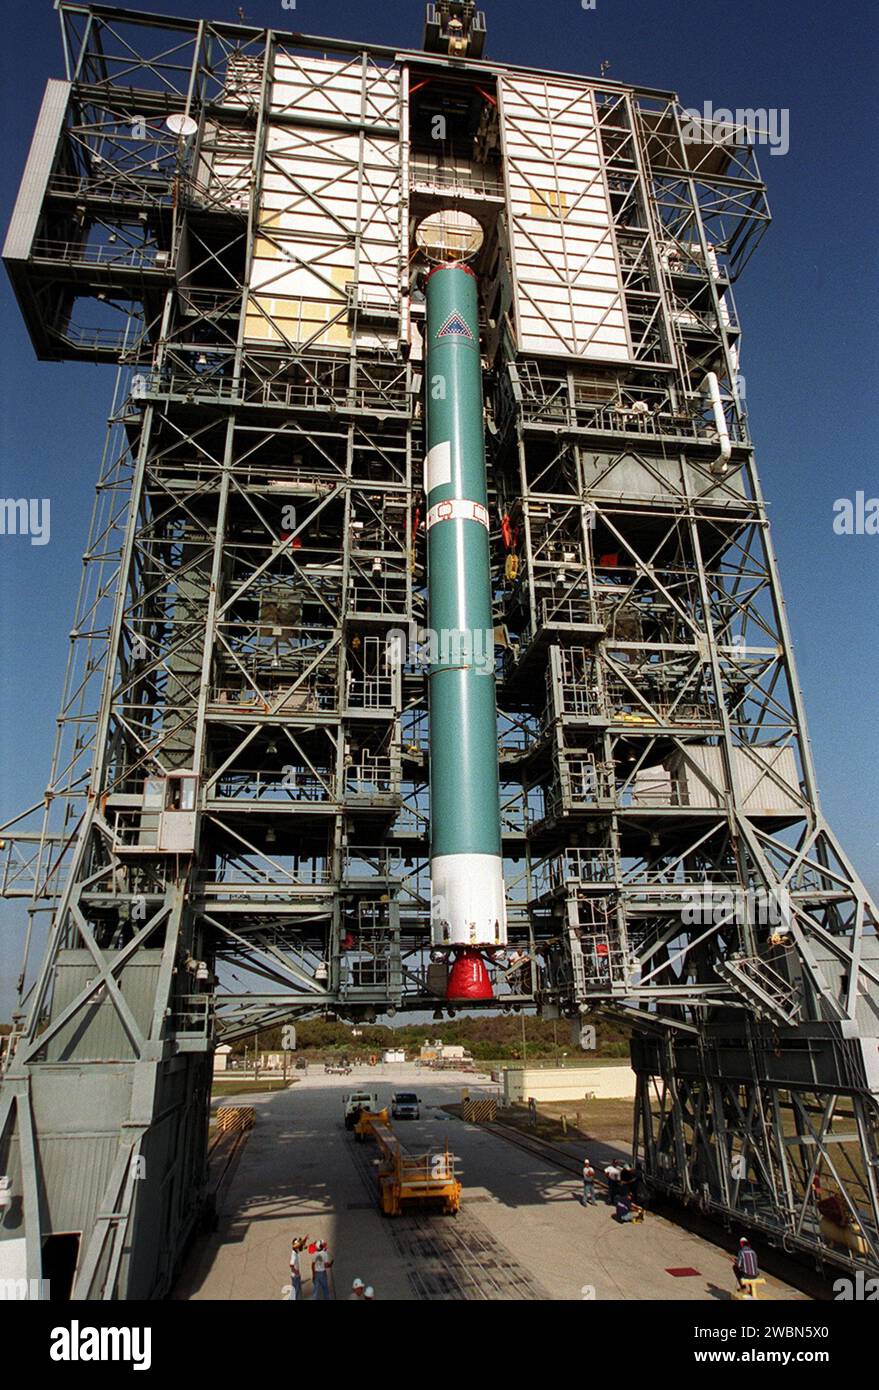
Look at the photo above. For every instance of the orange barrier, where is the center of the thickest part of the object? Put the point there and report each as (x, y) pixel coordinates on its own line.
(234, 1117)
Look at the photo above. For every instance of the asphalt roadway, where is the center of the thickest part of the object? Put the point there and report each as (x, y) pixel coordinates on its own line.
(521, 1232)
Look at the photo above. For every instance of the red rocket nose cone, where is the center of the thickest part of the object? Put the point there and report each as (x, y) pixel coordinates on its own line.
(468, 977)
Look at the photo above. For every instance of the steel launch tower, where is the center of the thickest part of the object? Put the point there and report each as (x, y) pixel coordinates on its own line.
(237, 826)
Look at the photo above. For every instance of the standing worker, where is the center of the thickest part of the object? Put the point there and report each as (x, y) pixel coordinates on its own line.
(746, 1265)
(613, 1174)
(320, 1267)
(297, 1245)
(588, 1198)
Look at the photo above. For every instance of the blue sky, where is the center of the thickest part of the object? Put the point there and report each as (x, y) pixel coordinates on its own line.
(807, 300)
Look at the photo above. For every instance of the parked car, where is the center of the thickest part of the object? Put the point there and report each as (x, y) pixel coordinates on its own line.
(405, 1105)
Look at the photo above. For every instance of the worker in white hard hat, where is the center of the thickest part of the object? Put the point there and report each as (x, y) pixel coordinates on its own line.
(357, 1290)
(320, 1267)
(297, 1245)
(369, 1292)
(588, 1198)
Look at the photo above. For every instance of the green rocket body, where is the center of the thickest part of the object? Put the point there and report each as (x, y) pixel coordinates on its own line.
(468, 904)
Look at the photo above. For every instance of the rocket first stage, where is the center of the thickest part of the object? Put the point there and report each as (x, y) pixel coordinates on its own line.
(468, 907)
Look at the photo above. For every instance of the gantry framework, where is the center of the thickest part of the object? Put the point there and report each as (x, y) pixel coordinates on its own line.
(235, 828)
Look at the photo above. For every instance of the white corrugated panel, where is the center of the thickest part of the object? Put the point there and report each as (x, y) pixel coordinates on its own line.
(329, 209)
(767, 777)
(331, 90)
(701, 771)
(568, 288)
(29, 203)
(319, 207)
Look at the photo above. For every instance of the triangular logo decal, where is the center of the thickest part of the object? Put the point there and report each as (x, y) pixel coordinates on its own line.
(454, 327)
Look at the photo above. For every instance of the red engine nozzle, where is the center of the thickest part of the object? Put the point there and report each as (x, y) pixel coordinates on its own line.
(468, 977)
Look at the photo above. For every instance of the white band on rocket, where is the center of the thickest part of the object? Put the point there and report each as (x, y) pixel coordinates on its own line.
(457, 509)
(468, 903)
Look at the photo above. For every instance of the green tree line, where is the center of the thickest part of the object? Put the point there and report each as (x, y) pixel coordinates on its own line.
(495, 1037)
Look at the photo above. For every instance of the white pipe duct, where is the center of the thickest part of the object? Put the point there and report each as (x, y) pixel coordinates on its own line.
(711, 388)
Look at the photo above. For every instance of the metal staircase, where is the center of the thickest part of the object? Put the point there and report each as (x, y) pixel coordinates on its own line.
(763, 990)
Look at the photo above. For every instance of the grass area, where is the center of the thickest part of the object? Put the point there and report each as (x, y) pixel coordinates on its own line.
(609, 1121)
(246, 1088)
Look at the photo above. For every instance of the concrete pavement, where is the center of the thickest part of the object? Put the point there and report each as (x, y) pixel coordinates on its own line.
(522, 1232)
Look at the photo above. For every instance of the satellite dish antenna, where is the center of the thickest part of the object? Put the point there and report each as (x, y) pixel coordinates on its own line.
(181, 125)
(448, 236)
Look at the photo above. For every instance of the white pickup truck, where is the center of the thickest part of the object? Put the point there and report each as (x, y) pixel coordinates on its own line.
(356, 1101)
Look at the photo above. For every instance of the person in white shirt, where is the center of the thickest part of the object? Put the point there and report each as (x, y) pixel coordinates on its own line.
(320, 1267)
(357, 1291)
(588, 1198)
(296, 1247)
(613, 1173)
